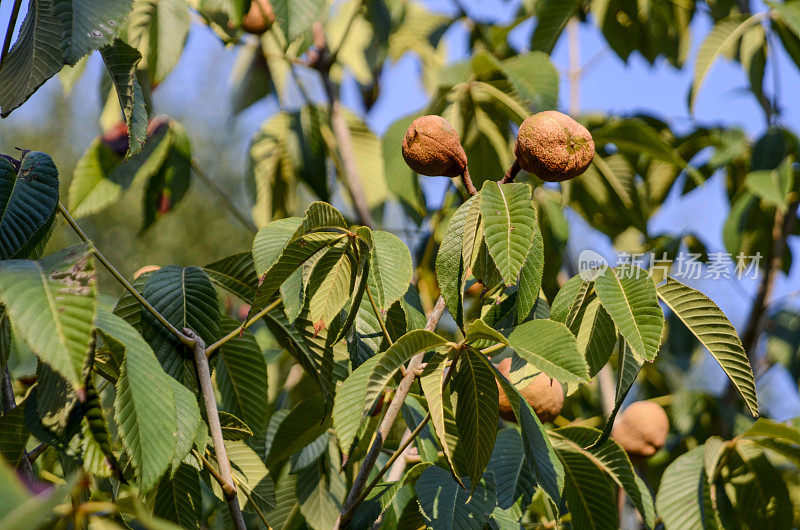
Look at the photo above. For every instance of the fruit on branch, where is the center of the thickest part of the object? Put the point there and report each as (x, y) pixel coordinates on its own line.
(553, 146)
(431, 147)
(544, 394)
(116, 138)
(259, 18)
(641, 429)
(144, 270)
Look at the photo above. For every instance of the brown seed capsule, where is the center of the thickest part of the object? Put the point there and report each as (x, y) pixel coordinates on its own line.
(553, 146)
(431, 147)
(641, 429)
(259, 18)
(543, 394)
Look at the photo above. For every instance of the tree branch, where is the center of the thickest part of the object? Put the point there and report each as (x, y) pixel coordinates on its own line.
(210, 402)
(186, 341)
(386, 424)
(211, 349)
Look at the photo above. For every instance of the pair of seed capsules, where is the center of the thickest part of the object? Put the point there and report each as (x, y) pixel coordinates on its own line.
(550, 145)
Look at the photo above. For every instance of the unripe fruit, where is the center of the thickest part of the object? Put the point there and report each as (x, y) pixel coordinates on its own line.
(431, 147)
(553, 146)
(543, 394)
(259, 18)
(641, 429)
(116, 138)
(145, 269)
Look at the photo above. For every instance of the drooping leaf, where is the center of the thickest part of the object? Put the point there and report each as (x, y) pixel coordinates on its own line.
(121, 60)
(304, 423)
(512, 475)
(450, 269)
(13, 435)
(348, 410)
(508, 226)
(28, 201)
(715, 332)
(475, 397)
(88, 25)
(530, 277)
(539, 91)
(331, 283)
(179, 498)
(270, 241)
(629, 295)
(447, 505)
(144, 408)
(295, 17)
(552, 17)
(255, 489)
(34, 58)
(242, 377)
(390, 268)
(52, 302)
(629, 367)
(159, 29)
(550, 347)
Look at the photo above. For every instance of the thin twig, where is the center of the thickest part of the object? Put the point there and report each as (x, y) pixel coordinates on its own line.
(10, 30)
(186, 341)
(207, 389)
(211, 349)
(379, 317)
(348, 508)
(247, 223)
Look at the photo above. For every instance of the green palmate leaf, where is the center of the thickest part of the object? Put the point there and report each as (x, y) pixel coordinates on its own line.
(390, 268)
(590, 495)
(774, 186)
(367, 336)
(88, 25)
(144, 408)
(255, 489)
(720, 40)
(90, 190)
(629, 367)
(569, 300)
(187, 299)
(715, 332)
(287, 509)
(191, 429)
(52, 303)
(475, 397)
(450, 269)
(170, 184)
(552, 348)
(28, 200)
(610, 458)
(530, 277)
(331, 283)
(542, 462)
(98, 449)
(178, 498)
(236, 274)
(242, 377)
(431, 381)
(762, 501)
(159, 29)
(121, 61)
(295, 17)
(683, 498)
(771, 429)
(304, 423)
(447, 505)
(319, 492)
(348, 410)
(390, 361)
(629, 295)
(34, 58)
(321, 216)
(508, 226)
(552, 16)
(271, 240)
